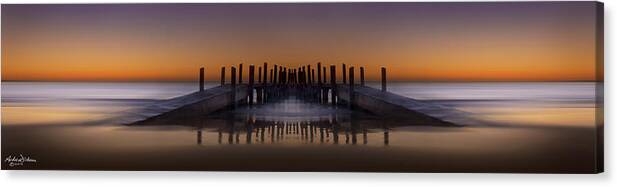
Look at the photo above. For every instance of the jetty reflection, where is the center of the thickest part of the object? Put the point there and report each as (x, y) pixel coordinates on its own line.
(328, 131)
(291, 118)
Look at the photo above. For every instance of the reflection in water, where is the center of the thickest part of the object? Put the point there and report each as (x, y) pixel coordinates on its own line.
(281, 132)
(291, 120)
(199, 139)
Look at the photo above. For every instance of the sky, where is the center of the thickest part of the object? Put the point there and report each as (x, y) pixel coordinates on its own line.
(523, 41)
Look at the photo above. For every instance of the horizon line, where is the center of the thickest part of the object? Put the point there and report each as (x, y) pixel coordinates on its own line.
(327, 81)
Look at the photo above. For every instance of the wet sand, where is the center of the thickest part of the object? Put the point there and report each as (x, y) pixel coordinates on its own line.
(422, 149)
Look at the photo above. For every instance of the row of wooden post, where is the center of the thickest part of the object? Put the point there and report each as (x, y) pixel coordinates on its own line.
(281, 75)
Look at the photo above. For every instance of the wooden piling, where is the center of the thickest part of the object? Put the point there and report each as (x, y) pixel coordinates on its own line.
(233, 86)
(251, 82)
(275, 74)
(233, 76)
(280, 75)
(240, 73)
(222, 75)
(284, 75)
(289, 76)
(344, 74)
(308, 74)
(324, 75)
(296, 74)
(271, 76)
(259, 76)
(383, 79)
(361, 76)
(265, 80)
(319, 73)
(333, 83)
(351, 82)
(303, 75)
(293, 76)
(313, 76)
(201, 79)
(324, 96)
(260, 90)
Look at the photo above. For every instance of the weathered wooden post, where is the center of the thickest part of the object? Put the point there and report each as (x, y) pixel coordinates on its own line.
(313, 76)
(313, 94)
(308, 74)
(275, 74)
(303, 74)
(333, 83)
(383, 79)
(295, 73)
(299, 75)
(324, 95)
(319, 73)
(265, 73)
(361, 76)
(280, 76)
(222, 75)
(289, 76)
(201, 79)
(251, 83)
(324, 75)
(233, 76)
(285, 75)
(240, 73)
(259, 76)
(301, 70)
(271, 76)
(233, 85)
(344, 74)
(351, 82)
(260, 90)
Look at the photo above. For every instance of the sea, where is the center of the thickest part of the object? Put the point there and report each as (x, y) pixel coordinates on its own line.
(533, 127)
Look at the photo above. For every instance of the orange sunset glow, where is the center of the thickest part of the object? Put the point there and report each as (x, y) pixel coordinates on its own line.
(416, 42)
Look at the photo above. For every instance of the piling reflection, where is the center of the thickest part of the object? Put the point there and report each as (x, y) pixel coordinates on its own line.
(325, 131)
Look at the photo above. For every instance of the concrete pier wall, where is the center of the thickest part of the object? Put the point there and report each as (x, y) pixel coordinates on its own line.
(392, 106)
(389, 105)
(197, 103)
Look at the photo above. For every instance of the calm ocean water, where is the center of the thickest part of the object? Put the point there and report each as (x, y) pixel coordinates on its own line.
(550, 103)
(549, 128)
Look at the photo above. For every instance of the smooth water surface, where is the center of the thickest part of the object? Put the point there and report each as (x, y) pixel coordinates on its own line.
(551, 128)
